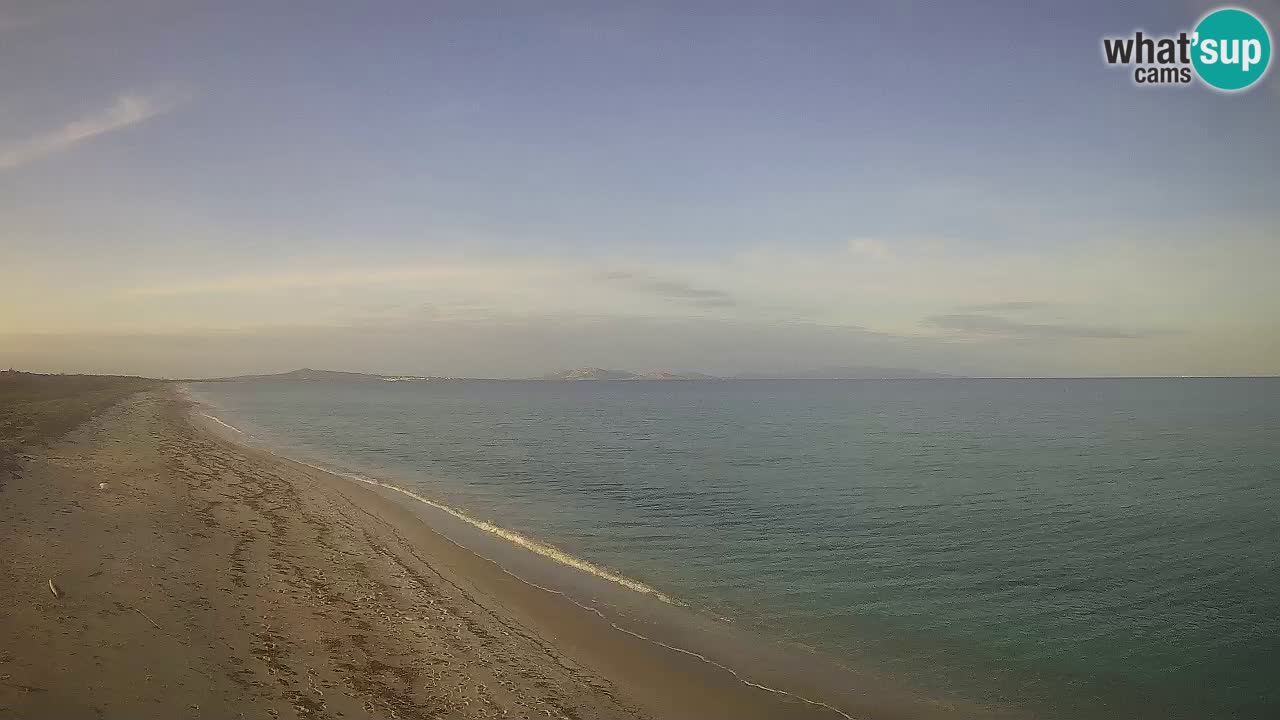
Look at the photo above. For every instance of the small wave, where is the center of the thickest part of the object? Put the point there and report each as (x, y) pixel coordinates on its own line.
(547, 551)
(511, 536)
(223, 424)
(566, 559)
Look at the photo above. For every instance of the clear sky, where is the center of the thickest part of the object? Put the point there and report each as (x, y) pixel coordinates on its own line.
(504, 189)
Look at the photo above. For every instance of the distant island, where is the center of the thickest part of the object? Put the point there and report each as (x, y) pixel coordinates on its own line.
(588, 374)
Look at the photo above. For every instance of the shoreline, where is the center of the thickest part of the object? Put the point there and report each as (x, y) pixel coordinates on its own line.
(601, 608)
(810, 684)
(202, 578)
(196, 579)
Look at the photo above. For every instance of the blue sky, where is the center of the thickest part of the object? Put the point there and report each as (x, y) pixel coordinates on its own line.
(490, 188)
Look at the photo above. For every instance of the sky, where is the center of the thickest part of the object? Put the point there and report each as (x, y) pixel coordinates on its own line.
(505, 189)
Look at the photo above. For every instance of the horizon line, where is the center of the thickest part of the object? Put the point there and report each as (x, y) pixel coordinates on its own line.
(708, 377)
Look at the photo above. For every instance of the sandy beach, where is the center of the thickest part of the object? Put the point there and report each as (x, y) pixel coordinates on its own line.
(201, 578)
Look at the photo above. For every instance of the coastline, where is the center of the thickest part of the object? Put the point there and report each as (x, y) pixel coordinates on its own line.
(666, 680)
(209, 577)
(613, 616)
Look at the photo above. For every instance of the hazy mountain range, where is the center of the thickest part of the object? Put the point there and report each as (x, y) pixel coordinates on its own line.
(599, 374)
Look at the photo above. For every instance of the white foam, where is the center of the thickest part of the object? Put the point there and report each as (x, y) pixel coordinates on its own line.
(223, 424)
(512, 536)
(565, 558)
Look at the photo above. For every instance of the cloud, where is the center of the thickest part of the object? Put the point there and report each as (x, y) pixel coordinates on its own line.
(1015, 306)
(676, 290)
(126, 111)
(1109, 307)
(996, 326)
(470, 289)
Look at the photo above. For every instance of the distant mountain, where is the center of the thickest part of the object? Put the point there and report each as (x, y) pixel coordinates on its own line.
(309, 375)
(580, 374)
(590, 374)
(861, 372)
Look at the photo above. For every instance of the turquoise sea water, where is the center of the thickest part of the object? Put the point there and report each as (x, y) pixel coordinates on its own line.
(1079, 548)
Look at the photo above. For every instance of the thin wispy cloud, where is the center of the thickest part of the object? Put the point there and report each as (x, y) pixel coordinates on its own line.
(676, 290)
(1014, 306)
(125, 112)
(295, 280)
(977, 324)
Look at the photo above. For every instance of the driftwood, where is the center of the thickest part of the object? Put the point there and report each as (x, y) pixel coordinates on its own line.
(148, 617)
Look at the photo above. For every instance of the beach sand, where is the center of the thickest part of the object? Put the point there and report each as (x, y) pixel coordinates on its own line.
(208, 579)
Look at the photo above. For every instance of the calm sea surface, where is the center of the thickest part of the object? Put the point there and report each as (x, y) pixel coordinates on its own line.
(1081, 548)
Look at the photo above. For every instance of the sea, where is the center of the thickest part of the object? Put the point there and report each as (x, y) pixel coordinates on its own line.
(1075, 548)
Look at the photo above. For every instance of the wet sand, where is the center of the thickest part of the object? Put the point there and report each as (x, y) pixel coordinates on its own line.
(208, 579)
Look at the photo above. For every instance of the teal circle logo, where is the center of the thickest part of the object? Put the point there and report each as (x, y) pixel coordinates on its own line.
(1231, 49)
